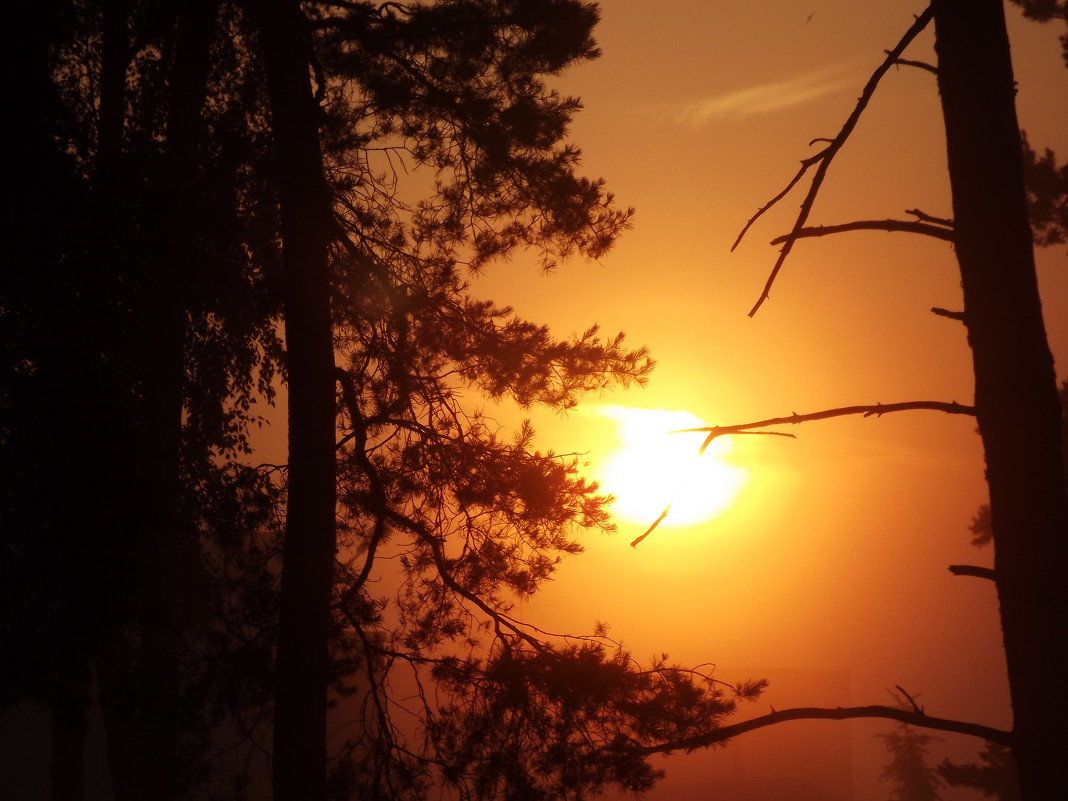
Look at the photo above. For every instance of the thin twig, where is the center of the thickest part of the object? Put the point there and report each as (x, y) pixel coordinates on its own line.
(923, 65)
(656, 523)
(805, 164)
(915, 707)
(973, 570)
(925, 217)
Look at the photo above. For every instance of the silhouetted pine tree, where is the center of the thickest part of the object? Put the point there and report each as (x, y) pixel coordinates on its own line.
(209, 173)
(994, 776)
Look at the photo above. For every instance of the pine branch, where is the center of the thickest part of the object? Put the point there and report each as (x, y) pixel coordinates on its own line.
(378, 490)
(499, 619)
(910, 716)
(824, 157)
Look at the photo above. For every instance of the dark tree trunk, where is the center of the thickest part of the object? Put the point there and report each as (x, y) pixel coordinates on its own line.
(70, 724)
(168, 558)
(115, 58)
(142, 249)
(115, 682)
(307, 573)
(106, 417)
(1015, 393)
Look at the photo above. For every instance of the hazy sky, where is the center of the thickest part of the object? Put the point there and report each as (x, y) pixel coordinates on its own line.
(833, 559)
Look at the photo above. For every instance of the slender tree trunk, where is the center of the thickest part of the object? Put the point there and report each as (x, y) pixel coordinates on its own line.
(114, 61)
(308, 566)
(168, 555)
(1016, 393)
(105, 417)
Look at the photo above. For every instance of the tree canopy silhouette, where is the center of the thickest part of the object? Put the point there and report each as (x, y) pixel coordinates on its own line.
(265, 192)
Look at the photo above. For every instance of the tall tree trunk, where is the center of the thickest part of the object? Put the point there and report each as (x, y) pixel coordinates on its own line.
(168, 555)
(1015, 392)
(308, 566)
(106, 417)
(144, 246)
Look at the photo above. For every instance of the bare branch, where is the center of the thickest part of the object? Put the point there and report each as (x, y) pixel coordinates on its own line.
(907, 226)
(923, 65)
(879, 409)
(911, 717)
(915, 707)
(952, 315)
(824, 157)
(656, 523)
(973, 570)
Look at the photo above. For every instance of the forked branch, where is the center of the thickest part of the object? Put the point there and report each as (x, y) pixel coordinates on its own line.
(822, 160)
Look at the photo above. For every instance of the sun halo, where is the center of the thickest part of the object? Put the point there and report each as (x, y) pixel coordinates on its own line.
(653, 469)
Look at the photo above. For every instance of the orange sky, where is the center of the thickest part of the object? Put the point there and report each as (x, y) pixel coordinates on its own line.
(834, 557)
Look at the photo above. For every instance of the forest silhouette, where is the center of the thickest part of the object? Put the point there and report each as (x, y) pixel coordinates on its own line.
(220, 206)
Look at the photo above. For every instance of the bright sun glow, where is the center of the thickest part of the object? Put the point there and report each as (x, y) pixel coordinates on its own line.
(653, 468)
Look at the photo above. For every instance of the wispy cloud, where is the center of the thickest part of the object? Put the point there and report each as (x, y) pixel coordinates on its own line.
(769, 97)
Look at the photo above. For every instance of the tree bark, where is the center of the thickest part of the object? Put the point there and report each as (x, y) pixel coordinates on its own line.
(1016, 401)
(307, 574)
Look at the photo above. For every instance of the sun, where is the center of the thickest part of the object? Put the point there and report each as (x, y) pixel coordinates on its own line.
(653, 468)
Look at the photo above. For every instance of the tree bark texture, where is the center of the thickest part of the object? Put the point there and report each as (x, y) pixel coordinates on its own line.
(1016, 400)
(307, 574)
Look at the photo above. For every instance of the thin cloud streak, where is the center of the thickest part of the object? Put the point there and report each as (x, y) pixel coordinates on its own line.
(770, 97)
